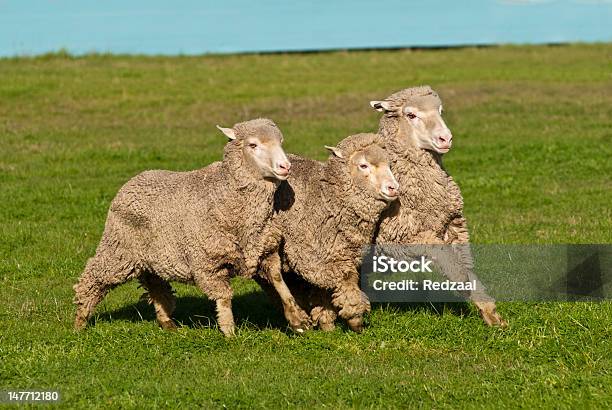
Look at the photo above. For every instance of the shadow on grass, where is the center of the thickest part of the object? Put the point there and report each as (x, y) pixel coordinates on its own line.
(254, 309)
(251, 309)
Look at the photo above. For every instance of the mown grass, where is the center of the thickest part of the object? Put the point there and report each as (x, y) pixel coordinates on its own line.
(533, 134)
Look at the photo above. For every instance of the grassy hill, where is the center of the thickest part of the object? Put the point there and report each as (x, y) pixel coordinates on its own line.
(532, 146)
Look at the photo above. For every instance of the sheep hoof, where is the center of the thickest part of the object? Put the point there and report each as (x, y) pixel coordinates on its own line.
(168, 325)
(324, 318)
(495, 320)
(80, 323)
(228, 331)
(492, 318)
(300, 327)
(299, 321)
(327, 326)
(356, 324)
(300, 330)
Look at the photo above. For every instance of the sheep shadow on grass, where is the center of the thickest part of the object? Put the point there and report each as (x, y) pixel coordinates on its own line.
(254, 309)
(251, 309)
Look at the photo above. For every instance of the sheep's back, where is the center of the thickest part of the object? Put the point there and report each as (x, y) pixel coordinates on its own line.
(150, 194)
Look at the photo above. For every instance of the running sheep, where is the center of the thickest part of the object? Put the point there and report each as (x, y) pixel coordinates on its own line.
(198, 227)
(326, 213)
(430, 207)
(429, 211)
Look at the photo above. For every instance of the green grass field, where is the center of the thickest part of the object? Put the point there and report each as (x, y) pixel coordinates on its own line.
(533, 144)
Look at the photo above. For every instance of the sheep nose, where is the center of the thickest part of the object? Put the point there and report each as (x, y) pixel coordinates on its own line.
(392, 189)
(284, 167)
(445, 139)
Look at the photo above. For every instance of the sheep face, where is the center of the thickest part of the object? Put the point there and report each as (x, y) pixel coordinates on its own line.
(418, 111)
(260, 142)
(264, 152)
(370, 172)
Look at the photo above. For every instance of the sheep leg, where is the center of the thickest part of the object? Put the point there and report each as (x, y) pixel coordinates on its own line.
(217, 287)
(299, 321)
(458, 235)
(160, 295)
(102, 273)
(352, 304)
(264, 283)
(456, 265)
(225, 317)
(319, 302)
(323, 314)
(309, 298)
(480, 298)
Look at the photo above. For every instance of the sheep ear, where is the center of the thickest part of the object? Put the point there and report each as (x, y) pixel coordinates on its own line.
(335, 151)
(229, 132)
(381, 105)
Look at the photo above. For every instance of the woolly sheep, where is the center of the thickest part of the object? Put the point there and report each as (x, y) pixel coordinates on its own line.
(430, 206)
(326, 213)
(430, 209)
(198, 227)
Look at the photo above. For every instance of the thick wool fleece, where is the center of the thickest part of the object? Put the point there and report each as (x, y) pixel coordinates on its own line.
(430, 207)
(429, 211)
(196, 227)
(325, 221)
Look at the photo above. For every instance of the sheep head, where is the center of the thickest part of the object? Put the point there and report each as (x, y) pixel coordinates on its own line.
(260, 144)
(418, 112)
(365, 163)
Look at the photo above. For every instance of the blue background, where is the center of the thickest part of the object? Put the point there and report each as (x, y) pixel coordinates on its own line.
(30, 27)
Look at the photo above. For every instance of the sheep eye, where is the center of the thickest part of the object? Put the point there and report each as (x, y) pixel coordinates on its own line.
(411, 115)
(363, 166)
(252, 145)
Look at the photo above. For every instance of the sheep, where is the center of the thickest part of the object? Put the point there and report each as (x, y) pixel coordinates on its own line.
(198, 227)
(326, 213)
(430, 207)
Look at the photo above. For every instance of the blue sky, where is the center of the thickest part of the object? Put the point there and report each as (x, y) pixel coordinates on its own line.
(194, 27)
